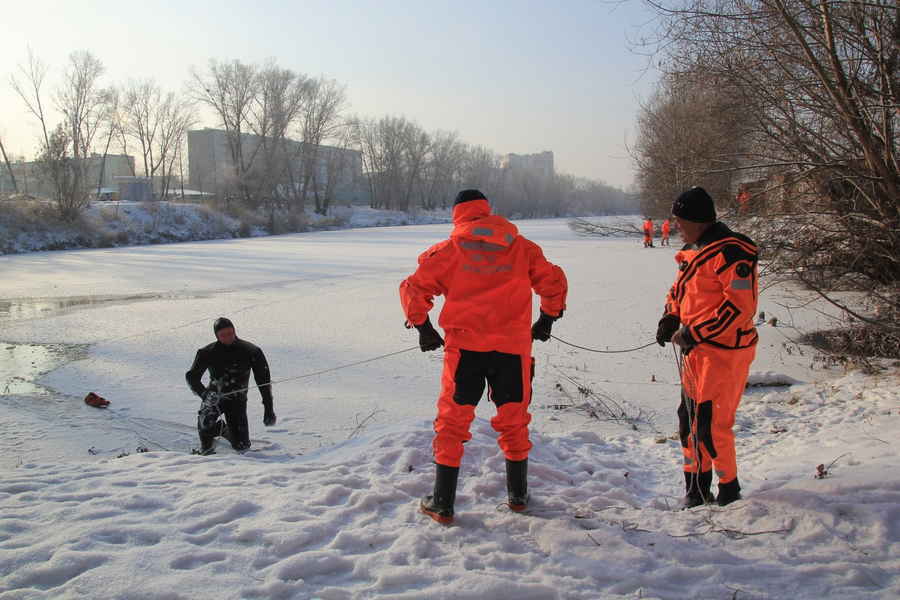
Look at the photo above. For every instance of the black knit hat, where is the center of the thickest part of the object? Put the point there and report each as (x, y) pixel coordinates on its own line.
(467, 195)
(695, 205)
(222, 323)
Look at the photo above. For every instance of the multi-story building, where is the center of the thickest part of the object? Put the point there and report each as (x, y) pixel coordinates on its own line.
(213, 170)
(539, 165)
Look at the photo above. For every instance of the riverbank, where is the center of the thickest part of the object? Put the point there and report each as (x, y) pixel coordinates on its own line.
(35, 226)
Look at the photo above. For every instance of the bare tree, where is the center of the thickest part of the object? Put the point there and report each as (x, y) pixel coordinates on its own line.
(406, 167)
(12, 175)
(339, 169)
(417, 146)
(820, 81)
(29, 86)
(141, 108)
(281, 97)
(157, 121)
(366, 135)
(82, 102)
(321, 120)
(385, 160)
(479, 168)
(442, 170)
(178, 117)
(113, 126)
(691, 132)
(65, 153)
(230, 89)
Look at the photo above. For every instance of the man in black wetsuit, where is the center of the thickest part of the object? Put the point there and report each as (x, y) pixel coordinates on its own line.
(229, 361)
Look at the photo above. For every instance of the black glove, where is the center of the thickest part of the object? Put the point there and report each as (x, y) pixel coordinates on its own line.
(269, 417)
(684, 339)
(667, 327)
(429, 338)
(542, 327)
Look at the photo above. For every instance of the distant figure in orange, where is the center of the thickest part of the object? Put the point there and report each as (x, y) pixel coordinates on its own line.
(666, 227)
(648, 233)
(743, 198)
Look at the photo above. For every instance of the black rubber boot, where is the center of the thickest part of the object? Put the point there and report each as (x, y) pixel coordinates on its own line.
(207, 428)
(240, 431)
(517, 484)
(207, 445)
(696, 486)
(439, 505)
(729, 492)
(225, 432)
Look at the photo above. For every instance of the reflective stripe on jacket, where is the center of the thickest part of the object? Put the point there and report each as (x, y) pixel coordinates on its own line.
(715, 293)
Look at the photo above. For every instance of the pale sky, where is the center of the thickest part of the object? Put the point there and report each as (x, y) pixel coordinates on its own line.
(515, 76)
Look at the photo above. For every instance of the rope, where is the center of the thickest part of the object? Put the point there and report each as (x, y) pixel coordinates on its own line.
(647, 345)
(685, 371)
(322, 372)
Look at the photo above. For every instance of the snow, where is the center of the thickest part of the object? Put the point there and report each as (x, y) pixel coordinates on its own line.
(325, 503)
(363, 216)
(770, 379)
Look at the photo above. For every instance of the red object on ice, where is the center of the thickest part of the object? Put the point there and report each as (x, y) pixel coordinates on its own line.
(93, 399)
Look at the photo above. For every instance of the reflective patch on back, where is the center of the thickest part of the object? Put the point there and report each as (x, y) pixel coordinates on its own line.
(485, 231)
(741, 284)
(481, 246)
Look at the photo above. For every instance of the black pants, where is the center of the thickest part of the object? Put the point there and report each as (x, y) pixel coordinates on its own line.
(234, 409)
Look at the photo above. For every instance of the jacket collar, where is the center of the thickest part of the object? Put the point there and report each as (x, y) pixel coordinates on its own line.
(473, 222)
(471, 210)
(717, 232)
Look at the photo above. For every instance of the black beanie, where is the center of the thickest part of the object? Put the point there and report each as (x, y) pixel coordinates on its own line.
(222, 323)
(695, 205)
(467, 195)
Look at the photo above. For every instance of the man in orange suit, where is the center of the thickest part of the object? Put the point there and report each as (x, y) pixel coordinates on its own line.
(648, 232)
(487, 274)
(709, 314)
(665, 229)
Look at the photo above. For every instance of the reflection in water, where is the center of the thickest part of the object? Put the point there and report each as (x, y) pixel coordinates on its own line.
(22, 364)
(22, 309)
(40, 424)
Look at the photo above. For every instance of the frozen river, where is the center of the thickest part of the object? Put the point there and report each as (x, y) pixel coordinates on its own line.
(126, 322)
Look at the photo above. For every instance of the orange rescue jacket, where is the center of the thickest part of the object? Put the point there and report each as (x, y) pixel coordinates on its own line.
(487, 273)
(716, 290)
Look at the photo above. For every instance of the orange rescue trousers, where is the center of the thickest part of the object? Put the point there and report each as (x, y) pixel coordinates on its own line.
(508, 378)
(713, 381)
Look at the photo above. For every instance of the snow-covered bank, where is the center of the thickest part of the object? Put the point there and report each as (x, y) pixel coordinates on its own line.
(35, 227)
(343, 523)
